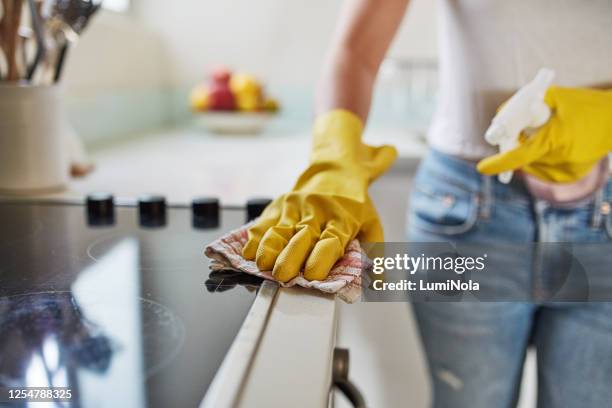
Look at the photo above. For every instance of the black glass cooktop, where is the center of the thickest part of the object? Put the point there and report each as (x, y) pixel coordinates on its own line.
(117, 306)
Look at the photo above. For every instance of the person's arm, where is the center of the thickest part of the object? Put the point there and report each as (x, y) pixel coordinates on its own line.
(364, 33)
(309, 228)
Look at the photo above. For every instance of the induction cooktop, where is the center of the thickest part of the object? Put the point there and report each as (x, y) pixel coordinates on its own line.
(115, 301)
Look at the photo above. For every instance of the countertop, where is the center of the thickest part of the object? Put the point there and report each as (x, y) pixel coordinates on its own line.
(186, 162)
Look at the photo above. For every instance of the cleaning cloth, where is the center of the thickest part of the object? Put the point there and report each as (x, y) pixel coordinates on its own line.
(344, 280)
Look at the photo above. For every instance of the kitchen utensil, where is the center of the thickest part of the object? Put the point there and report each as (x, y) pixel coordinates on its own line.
(67, 21)
(2, 62)
(3, 34)
(37, 27)
(2, 39)
(25, 34)
(72, 16)
(59, 65)
(10, 34)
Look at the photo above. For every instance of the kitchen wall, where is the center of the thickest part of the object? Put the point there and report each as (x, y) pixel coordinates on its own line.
(283, 41)
(114, 79)
(131, 72)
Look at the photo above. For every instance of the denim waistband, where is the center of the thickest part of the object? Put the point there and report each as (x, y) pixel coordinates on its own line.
(463, 173)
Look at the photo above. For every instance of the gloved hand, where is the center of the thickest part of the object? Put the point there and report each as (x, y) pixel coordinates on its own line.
(576, 137)
(328, 207)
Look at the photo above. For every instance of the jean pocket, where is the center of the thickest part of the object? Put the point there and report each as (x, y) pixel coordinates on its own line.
(444, 209)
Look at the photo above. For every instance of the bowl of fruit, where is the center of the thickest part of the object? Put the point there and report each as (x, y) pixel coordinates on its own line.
(232, 103)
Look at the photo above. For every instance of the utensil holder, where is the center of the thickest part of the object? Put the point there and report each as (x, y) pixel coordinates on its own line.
(33, 156)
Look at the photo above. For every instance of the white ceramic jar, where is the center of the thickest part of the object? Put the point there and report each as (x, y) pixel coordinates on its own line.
(33, 156)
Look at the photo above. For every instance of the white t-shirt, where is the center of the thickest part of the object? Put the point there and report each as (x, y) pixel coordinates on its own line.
(490, 48)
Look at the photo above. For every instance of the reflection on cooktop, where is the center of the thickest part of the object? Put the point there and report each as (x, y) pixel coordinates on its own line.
(39, 319)
(54, 335)
(123, 315)
(163, 335)
(165, 251)
(226, 279)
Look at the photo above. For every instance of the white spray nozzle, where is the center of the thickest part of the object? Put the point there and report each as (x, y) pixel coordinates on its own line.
(526, 109)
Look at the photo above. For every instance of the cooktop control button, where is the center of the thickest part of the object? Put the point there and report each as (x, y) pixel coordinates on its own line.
(255, 207)
(152, 210)
(100, 209)
(205, 211)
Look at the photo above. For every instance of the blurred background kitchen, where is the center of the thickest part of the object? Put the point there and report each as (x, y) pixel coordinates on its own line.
(126, 90)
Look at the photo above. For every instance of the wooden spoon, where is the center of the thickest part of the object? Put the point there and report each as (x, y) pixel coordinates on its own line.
(3, 31)
(12, 20)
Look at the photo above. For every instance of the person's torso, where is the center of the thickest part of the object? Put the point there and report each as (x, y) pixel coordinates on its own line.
(490, 48)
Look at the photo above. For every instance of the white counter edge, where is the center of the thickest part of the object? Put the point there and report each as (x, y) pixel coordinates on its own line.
(228, 381)
(293, 363)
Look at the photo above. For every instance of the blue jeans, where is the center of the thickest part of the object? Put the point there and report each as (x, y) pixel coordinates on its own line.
(475, 350)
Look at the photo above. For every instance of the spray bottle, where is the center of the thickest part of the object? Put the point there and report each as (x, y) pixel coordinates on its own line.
(523, 112)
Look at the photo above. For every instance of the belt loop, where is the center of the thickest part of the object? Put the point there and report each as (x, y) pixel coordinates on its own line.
(486, 197)
(598, 207)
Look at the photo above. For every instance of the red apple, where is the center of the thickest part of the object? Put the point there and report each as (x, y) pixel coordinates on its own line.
(221, 97)
(221, 75)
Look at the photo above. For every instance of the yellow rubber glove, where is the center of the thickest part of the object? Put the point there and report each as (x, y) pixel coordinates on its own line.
(328, 207)
(577, 136)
